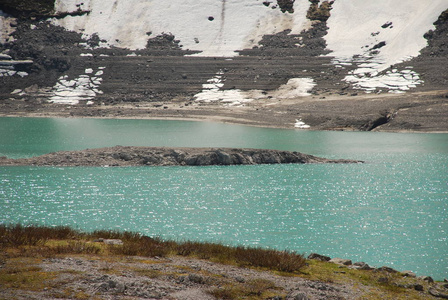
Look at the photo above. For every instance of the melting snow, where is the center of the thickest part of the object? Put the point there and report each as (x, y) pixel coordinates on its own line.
(356, 27)
(295, 87)
(83, 88)
(301, 125)
(235, 25)
(371, 35)
(211, 93)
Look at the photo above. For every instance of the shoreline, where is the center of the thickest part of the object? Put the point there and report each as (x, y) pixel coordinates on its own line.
(61, 260)
(211, 120)
(420, 112)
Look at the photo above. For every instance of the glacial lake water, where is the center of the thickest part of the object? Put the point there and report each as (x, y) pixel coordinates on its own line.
(392, 210)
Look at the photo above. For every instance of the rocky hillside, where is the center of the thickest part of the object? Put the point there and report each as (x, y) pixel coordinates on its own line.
(222, 53)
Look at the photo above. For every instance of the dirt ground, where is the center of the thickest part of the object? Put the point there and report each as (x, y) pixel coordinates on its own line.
(412, 112)
(173, 278)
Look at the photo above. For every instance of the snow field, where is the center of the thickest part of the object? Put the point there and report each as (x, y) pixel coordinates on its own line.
(217, 28)
(356, 27)
(370, 35)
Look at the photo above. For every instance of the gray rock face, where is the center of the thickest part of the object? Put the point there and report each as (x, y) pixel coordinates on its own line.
(156, 156)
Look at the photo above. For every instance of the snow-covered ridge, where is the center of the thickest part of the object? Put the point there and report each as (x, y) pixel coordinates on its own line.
(375, 35)
(217, 28)
(371, 35)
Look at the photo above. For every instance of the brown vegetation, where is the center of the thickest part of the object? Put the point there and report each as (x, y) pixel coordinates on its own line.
(38, 262)
(134, 244)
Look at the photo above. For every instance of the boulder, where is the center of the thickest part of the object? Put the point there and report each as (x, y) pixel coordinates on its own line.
(341, 261)
(387, 269)
(426, 278)
(320, 257)
(408, 273)
(361, 266)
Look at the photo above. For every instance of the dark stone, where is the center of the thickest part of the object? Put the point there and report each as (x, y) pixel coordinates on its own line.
(319, 13)
(299, 296)
(383, 280)
(418, 287)
(427, 278)
(362, 266)
(387, 24)
(196, 278)
(379, 45)
(387, 269)
(437, 294)
(319, 257)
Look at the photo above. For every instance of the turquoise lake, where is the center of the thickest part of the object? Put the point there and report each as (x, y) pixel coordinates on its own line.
(392, 210)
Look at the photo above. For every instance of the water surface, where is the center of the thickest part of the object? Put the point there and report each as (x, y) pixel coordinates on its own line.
(390, 211)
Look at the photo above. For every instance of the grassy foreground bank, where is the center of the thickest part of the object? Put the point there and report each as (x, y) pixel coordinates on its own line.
(23, 249)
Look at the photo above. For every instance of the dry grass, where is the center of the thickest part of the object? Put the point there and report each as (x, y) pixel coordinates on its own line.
(19, 235)
(18, 243)
(43, 241)
(23, 274)
(253, 289)
(379, 284)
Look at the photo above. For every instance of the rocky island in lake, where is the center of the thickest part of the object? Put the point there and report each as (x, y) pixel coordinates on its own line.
(167, 156)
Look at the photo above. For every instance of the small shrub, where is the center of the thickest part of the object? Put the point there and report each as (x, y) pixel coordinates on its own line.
(19, 235)
(143, 246)
(77, 247)
(253, 289)
(115, 234)
(286, 261)
(225, 293)
(258, 286)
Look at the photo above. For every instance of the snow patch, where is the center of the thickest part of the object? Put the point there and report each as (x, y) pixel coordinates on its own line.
(370, 35)
(83, 88)
(377, 35)
(301, 125)
(211, 93)
(295, 87)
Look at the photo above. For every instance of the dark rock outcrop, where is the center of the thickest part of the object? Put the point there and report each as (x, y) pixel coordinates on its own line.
(161, 156)
(319, 257)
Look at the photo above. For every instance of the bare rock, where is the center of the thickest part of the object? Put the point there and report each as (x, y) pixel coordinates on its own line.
(408, 273)
(319, 257)
(341, 261)
(159, 156)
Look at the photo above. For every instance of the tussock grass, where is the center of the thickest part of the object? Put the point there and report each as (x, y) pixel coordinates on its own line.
(381, 285)
(253, 289)
(23, 274)
(23, 247)
(20, 235)
(27, 238)
(287, 261)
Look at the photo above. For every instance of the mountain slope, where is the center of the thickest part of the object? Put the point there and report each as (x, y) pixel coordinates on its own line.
(226, 53)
